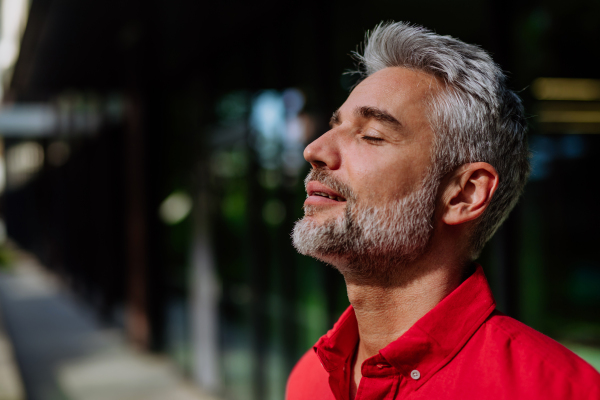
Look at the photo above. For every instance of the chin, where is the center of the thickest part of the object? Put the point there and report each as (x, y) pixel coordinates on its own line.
(312, 235)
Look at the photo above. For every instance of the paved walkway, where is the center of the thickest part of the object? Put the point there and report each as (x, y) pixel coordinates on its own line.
(64, 354)
(11, 387)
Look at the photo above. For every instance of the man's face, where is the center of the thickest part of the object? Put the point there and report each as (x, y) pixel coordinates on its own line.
(372, 166)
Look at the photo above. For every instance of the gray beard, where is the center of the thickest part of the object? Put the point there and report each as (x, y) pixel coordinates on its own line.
(369, 243)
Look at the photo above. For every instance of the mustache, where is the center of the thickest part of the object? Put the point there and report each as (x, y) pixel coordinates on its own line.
(326, 178)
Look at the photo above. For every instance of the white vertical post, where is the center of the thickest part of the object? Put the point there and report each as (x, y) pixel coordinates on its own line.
(204, 303)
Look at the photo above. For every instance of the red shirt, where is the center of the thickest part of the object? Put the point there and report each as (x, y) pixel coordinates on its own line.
(462, 349)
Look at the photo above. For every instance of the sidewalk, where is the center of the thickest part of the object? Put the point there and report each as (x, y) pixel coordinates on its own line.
(11, 387)
(64, 354)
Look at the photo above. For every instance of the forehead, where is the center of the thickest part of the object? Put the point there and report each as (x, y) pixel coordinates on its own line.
(395, 89)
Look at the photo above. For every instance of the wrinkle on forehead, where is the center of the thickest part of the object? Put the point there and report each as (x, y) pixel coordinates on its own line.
(403, 88)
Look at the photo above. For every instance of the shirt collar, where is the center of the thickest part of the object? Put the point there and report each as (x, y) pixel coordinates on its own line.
(339, 343)
(429, 344)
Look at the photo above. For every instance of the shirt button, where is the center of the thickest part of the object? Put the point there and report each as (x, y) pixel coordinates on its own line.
(415, 374)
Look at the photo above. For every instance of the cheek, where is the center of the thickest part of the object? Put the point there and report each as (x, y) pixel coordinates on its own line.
(378, 185)
(378, 175)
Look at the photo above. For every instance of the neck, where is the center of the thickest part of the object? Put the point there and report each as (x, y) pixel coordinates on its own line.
(385, 312)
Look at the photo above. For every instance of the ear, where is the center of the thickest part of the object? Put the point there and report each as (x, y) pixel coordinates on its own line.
(469, 192)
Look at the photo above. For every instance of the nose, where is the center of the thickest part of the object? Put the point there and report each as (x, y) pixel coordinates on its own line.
(324, 152)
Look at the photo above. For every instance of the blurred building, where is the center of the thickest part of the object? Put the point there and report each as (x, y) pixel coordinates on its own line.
(153, 158)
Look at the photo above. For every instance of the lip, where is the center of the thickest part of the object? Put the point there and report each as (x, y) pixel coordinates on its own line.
(313, 199)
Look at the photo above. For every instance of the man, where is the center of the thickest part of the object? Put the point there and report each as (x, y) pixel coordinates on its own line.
(422, 163)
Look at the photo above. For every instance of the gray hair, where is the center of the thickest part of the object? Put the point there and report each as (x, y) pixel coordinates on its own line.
(476, 118)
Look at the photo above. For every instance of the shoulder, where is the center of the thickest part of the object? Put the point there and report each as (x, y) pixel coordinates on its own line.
(505, 359)
(536, 346)
(535, 359)
(308, 380)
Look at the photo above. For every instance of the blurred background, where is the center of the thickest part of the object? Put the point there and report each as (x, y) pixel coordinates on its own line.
(151, 171)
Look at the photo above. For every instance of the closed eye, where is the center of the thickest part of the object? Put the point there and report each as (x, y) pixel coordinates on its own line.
(372, 139)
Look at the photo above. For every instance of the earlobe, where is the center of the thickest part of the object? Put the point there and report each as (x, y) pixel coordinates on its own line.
(469, 193)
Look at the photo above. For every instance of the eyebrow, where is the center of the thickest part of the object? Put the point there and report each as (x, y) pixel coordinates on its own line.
(335, 119)
(378, 115)
(368, 113)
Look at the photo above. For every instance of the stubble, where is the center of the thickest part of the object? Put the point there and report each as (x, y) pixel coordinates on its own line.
(369, 243)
